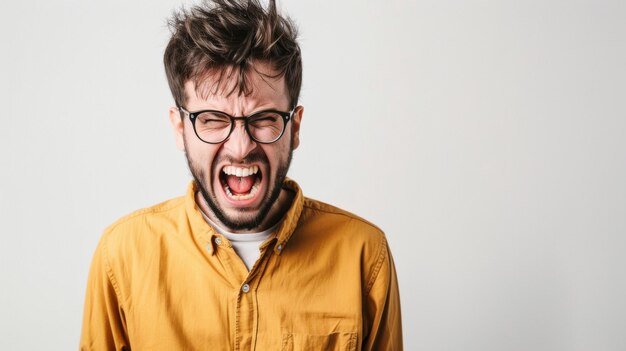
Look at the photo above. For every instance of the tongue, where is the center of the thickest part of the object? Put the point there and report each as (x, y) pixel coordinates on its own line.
(240, 185)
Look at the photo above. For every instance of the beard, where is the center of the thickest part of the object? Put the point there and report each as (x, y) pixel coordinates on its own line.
(245, 221)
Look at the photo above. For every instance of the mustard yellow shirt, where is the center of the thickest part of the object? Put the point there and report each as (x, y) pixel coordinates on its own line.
(164, 279)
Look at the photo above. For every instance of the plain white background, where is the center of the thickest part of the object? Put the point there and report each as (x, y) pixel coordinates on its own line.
(487, 138)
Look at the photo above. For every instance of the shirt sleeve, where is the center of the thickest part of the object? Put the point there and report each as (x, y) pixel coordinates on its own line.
(103, 317)
(383, 321)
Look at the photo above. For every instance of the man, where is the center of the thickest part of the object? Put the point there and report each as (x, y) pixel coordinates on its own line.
(243, 261)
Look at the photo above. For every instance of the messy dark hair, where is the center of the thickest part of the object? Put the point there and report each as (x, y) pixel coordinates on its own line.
(226, 37)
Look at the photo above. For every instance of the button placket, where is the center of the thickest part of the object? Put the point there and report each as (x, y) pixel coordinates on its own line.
(247, 306)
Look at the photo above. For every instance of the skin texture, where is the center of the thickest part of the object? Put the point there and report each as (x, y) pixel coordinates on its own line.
(207, 160)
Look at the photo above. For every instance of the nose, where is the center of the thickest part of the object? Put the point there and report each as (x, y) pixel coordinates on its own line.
(239, 144)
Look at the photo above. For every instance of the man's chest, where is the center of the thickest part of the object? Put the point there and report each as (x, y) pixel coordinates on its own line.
(297, 300)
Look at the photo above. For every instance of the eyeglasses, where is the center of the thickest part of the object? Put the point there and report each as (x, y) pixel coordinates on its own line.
(214, 127)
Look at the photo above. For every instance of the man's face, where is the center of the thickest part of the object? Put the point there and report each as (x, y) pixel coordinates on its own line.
(239, 179)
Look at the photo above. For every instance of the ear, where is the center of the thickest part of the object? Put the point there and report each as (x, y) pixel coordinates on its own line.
(295, 127)
(178, 125)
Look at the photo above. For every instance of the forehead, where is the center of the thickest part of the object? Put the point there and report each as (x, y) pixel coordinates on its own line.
(223, 90)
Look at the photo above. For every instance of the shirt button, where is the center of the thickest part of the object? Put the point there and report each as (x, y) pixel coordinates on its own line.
(218, 241)
(279, 247)
(245, 288)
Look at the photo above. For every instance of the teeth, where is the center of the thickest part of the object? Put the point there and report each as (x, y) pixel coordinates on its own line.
(240, 171)
(253, 191)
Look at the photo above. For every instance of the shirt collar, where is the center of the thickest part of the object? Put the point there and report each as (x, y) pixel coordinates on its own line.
(203, 233)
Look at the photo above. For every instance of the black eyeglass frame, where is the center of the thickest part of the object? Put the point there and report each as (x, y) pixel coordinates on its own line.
(286, 116)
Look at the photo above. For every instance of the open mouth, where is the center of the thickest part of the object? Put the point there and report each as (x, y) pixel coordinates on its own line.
(240, 183)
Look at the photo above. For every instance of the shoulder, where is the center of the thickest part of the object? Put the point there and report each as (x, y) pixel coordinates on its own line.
(342, 229)
(323, 213)
(146, 215)
(143, 226)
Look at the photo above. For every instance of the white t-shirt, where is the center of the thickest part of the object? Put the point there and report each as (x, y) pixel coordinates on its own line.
(246, 245)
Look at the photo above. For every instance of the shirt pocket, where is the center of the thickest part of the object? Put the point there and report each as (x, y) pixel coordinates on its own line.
(327, 342)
